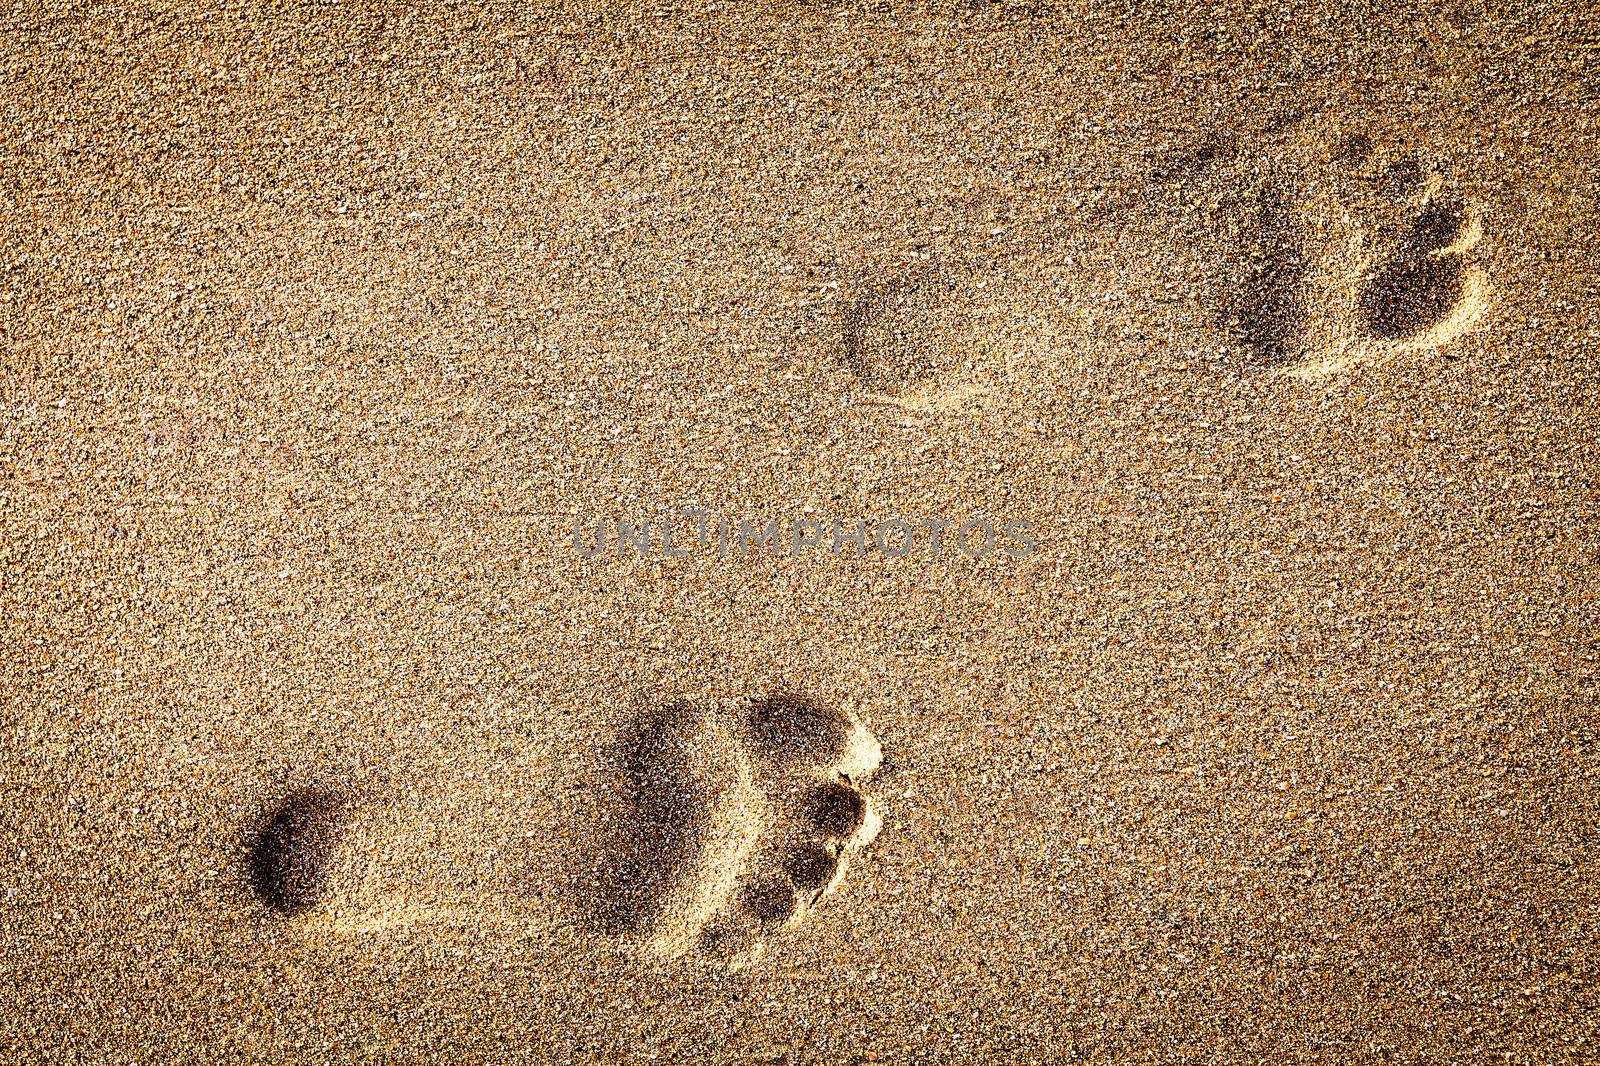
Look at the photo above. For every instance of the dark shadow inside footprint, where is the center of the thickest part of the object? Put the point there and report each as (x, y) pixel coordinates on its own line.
(834, 810)
(811, 867)
(1437, 227)
(770, 900)
(658, 824)
(289, 855)
(792, 729)
(1268, 310)
(1413, 294)
(895, 336)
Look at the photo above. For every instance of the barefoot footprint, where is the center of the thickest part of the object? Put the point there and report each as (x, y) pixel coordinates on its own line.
(713, 832)
(728, 831)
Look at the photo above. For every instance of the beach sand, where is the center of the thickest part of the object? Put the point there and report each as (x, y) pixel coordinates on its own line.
(325, 325)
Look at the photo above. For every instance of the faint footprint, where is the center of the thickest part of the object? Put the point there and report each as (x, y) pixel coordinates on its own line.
(725, 831)
(905, 340)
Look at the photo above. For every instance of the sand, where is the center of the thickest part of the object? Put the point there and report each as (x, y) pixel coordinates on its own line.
(324, 325)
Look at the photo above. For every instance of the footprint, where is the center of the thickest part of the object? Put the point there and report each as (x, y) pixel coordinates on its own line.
(708, 832)
(728, 828)
(1323, 292)
(290, 854)
(906, 340)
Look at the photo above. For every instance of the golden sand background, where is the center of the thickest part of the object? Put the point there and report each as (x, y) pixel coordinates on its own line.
(321, 323)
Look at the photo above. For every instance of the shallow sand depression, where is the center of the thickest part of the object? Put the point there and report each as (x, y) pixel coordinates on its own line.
(1273, 330)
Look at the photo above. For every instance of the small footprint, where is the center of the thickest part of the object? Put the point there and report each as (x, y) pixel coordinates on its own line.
(729, 828)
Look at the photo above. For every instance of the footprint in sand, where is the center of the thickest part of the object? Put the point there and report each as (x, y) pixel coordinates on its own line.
(705, 833)
(903, 340)
(1321, 292)
(290, 852)
(726, 829)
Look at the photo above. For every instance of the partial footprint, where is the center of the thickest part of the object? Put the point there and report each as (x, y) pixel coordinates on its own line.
(909, 340)
(1268, 312)
(726, 828)
(290, 853)
(1425, 283)
(792, 732)
(807, 761)
(349, 865)
(1323, 291)
(680, 818)
(889, 334)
